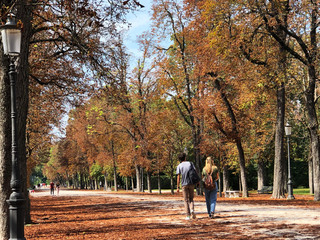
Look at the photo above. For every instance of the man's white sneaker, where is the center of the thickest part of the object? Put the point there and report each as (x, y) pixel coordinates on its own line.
(188, 218)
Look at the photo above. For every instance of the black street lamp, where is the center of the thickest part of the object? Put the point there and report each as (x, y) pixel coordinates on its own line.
(288, 129)
(11, 39)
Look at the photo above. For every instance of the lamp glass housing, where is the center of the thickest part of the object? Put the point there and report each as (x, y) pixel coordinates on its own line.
(11, 37)
(288, 129)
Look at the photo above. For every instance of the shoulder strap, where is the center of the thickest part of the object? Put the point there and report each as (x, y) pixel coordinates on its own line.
(191, 165)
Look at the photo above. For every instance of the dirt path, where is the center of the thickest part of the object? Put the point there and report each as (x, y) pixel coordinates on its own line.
(152, 216)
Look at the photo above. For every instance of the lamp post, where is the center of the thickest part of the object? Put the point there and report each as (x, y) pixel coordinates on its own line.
(11, 39)
(288, 129)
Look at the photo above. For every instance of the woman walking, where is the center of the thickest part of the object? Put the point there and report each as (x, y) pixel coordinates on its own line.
(210, 175)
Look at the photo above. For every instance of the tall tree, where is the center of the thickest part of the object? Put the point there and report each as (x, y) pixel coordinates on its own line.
(287, 26)
(67, 39)
(177, 65)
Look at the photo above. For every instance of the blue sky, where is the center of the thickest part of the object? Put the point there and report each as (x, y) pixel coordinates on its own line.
(140, 22)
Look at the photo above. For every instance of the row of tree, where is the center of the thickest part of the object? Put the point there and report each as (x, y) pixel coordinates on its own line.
(231, 75)
(61, 42)
(223, 86)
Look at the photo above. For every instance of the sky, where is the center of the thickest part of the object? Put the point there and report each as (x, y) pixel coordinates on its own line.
(140, 22)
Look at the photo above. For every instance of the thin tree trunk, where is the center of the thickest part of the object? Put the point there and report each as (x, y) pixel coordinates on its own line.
(142, 179)
(149, 182)
(105, 181)
(225, 176)
(220, 185)
(313, 130)
(127, 184)
(261, 174)
(315, 161)
(311, 108)
(196, 144)
(310, 174)
(159, 182)
(132, 184)
(243, 173)
(115, 177)
(114, 157)
(172, 182)
(237, 138)
(279, 176)
(138, 177)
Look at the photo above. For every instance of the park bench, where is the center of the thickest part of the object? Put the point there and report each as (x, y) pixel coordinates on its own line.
(232, 194)
(265, 190)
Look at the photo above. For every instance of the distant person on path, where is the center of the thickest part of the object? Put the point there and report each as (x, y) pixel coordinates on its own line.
(52, 188)
(58, 187)
(210, 189)
(187, 188)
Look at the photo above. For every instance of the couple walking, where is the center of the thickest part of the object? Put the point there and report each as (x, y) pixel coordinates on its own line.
(188, 188)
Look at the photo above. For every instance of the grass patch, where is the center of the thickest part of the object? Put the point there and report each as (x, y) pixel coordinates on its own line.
(301, 191)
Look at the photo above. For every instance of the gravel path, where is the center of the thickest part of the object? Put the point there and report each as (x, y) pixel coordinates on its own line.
(255, 220)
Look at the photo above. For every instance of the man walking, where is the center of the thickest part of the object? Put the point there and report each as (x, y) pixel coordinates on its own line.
(187, 187)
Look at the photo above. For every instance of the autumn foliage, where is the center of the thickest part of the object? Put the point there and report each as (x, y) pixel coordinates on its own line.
(214, 78)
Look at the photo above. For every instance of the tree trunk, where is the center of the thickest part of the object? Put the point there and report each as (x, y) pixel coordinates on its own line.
(310, 174)
(279, 178)
(261, 174)
(132, 184)
(237, 138)
(225, 176)
(159, 182)
(313, 126)
(313, 129)
(114, 157)
(76, 181)
(138, 177)
(105, 181)
(197, 155)
(81, 181)
(172, 181)
(220, 185)
(127, 184)
(142, 180)
(149, 182)
(243, 173)
(311, 108)
(310, 171)
(69, 180)
(115, 177)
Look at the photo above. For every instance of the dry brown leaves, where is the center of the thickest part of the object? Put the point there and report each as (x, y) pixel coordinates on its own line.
(152, 216)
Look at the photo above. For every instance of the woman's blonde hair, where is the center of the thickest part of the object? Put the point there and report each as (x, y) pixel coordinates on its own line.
(209, 165)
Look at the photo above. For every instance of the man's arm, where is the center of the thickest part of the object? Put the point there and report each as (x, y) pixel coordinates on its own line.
(178, 182)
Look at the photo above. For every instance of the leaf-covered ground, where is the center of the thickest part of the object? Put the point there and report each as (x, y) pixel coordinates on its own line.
(88, 215)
